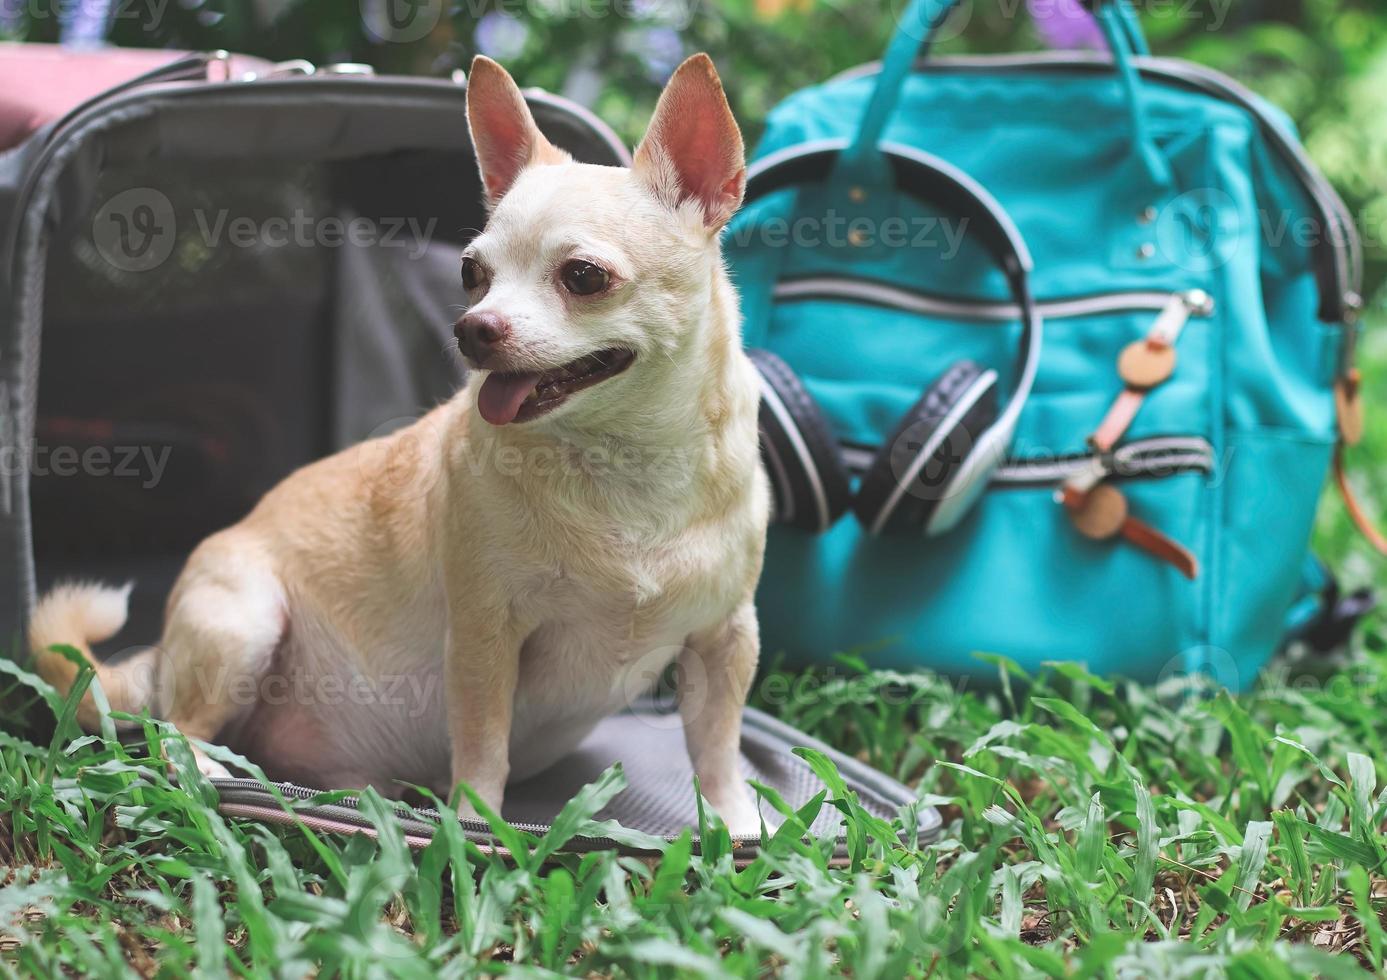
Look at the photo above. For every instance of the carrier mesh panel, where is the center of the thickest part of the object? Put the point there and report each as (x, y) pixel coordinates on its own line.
(211, 332)
(659, 795)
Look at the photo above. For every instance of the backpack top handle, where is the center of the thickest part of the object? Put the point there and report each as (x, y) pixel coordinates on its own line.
(917, 27)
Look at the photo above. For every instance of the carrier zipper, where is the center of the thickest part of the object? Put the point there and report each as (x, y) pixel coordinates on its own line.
(296, 792)
(418, 814)
(1193, 302)
(1346, 245)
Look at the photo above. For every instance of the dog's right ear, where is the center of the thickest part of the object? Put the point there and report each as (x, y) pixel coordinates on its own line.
(504, 134)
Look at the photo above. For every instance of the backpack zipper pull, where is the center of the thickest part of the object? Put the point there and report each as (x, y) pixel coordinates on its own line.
(1182, 306)
(1101, 513)
(1099, 510)
(1147, 363)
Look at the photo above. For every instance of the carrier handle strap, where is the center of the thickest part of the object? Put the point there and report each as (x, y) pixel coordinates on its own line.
(917, 27)
(190, 68)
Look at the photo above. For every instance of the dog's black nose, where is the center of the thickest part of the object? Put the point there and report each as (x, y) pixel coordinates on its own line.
(479, 334)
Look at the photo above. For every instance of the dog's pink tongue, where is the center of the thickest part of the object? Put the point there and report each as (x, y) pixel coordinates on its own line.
(501, 395)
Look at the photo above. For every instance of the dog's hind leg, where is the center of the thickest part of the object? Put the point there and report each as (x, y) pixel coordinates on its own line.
(226, 619)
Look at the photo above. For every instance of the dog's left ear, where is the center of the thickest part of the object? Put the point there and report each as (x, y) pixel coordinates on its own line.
(693, 148)
(504, 134)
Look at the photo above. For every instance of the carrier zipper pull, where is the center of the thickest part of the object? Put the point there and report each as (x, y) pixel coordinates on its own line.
(1348, 404)
(1356, 513)
(1348, 408)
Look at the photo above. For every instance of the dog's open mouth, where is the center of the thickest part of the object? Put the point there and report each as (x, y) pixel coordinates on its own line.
(520, 396)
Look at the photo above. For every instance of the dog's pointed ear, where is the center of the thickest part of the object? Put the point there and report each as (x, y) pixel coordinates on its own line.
(504, 134)
(693, 148)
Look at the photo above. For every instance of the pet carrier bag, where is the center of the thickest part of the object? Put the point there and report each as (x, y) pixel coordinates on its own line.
(1135, 488)
(215, 271)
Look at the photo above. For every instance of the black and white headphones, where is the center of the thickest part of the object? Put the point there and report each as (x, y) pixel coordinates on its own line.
(937, 462)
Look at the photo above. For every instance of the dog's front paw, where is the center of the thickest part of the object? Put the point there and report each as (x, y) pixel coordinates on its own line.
(466, 811)
(742, 818)
(210, 767)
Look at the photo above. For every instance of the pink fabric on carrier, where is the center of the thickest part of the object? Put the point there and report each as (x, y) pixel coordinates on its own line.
(41, 82)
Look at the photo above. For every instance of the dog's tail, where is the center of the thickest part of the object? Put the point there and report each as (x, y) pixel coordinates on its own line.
(78, 614)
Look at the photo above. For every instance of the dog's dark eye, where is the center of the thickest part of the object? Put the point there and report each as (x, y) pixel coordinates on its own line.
(583, 278)
(473, 275)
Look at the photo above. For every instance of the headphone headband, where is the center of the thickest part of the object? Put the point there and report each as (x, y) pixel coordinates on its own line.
(935, 181)
(919, 174)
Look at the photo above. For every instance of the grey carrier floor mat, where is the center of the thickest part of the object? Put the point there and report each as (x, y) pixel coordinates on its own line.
(658, 799)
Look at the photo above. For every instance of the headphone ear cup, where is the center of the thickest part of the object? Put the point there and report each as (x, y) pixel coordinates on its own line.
(900, 490)
(809, 484)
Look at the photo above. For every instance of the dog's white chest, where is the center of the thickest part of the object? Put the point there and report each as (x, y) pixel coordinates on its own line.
(589, 635)
(601, 649)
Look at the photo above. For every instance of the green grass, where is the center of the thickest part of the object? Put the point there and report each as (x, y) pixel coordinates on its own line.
(1090, 828)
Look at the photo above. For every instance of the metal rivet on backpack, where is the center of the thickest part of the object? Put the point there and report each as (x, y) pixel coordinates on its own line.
(1146, 251)
(857, 195)
(1146, 215)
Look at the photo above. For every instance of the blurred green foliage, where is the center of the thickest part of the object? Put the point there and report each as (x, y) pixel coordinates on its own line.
(1323, 61)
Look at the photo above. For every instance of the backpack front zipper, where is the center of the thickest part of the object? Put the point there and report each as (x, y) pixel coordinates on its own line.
(1195, 302)
(1141, 459)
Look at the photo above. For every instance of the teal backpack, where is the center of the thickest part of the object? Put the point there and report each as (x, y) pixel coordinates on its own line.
(1050, 348)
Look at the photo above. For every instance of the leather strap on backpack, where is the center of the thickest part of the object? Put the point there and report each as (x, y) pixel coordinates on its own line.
(1356, 513)
(1098, 510)
(1348, 405)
